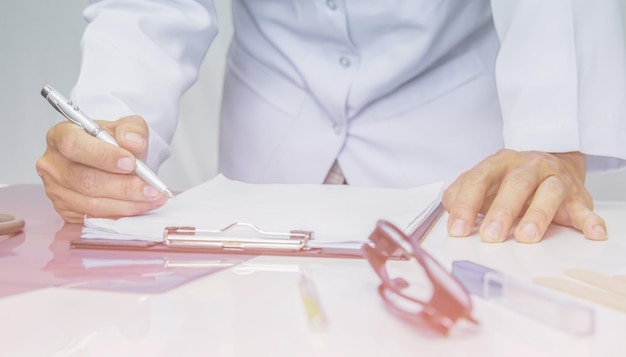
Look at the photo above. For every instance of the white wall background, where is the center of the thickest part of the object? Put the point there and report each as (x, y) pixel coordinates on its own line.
(39, 44)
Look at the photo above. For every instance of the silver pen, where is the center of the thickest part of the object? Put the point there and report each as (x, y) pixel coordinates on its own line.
(73, 114)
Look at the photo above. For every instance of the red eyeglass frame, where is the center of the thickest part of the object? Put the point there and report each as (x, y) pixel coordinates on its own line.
(449, 302)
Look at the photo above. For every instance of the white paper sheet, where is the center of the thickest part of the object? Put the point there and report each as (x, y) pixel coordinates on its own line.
(335, 213)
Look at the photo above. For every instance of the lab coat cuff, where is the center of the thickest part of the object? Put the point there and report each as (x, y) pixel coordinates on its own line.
(604, 145)
(542, 135)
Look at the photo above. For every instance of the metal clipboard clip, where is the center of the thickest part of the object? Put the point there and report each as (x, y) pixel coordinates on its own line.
(238, 236)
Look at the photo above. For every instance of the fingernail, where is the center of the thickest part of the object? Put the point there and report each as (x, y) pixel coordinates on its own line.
(458, 228)
(150, 191)
(125, 164)
(493, 232)
(134, 137)
(159, 202)
(530, 233)
(599, 233)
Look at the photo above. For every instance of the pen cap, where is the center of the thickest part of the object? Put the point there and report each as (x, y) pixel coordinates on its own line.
(472, 276)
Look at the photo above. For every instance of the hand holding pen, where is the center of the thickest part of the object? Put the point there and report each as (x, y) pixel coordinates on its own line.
(89, 174)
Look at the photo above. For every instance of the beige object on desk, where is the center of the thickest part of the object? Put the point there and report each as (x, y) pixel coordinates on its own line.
(599, 296)
(10, 224)
(598, 279)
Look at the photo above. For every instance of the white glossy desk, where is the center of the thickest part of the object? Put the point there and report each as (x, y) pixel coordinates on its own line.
(58, 302)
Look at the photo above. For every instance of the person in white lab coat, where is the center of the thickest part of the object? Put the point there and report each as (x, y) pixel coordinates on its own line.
(508, 101)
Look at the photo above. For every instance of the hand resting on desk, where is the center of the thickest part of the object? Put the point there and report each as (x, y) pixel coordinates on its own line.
(86, 176)
(538, 187)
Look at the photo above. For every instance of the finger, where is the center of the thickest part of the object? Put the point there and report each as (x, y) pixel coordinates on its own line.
(74, 144)
(515, 189)
(73, 206)
(96, 183)
(469, 195)
(547, 199)
(131, 133)
(450, 193)
(580, 215)
(93, 182)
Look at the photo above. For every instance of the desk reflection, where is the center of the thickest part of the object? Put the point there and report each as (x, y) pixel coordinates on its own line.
(8, 244)
(37, 259)
(131, 271)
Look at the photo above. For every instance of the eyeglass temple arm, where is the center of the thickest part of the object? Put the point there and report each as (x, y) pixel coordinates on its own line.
(389, 240)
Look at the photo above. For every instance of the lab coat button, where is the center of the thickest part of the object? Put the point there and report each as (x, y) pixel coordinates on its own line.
(344, 61)
(331, 4)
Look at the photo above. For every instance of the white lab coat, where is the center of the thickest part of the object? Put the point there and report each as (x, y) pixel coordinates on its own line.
(401, 93)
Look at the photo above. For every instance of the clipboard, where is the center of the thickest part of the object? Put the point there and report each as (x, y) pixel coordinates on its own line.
(246, 239)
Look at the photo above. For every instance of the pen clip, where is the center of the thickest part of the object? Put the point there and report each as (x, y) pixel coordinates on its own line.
(55, 104)
(63, 105)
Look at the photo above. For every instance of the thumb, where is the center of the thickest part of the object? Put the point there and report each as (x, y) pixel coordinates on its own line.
(131, 134)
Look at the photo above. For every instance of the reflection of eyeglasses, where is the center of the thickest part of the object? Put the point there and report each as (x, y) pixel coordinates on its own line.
(432, 297)
(10, 224)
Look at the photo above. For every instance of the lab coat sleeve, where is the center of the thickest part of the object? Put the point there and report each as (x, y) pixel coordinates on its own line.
(561, 77)
(138, 58)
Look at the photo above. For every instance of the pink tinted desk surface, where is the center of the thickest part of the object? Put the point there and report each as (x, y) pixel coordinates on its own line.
(254, 308)
(40, 256)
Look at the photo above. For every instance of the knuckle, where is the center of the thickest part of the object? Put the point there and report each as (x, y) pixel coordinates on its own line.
(449, 195)
(70, 216)
(543, 161)
(128, 188)
(500, 210)
(555, 184)
(93, 207)
(447, 200)
(50, 137)
(140, 123)
(88, 182)
(52, 134)
(503, 155)
(42, 167)
(504, 152)
(67, 144)
(579, 203)
(521, 181)
(133, 123)
(540, 214)
(102, 156)
(98, 207)
(461, 209)
(475, 176)
(462, 206)
(585, 198)
(60, 206)
(57, 201)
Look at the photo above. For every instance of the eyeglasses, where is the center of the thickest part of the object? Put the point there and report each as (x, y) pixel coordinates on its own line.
(10, 225)
(432, 297)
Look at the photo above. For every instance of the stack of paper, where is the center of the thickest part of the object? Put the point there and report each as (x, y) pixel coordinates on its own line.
(335, 213)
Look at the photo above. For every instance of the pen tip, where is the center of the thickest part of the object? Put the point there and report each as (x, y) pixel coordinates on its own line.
(169, 194)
